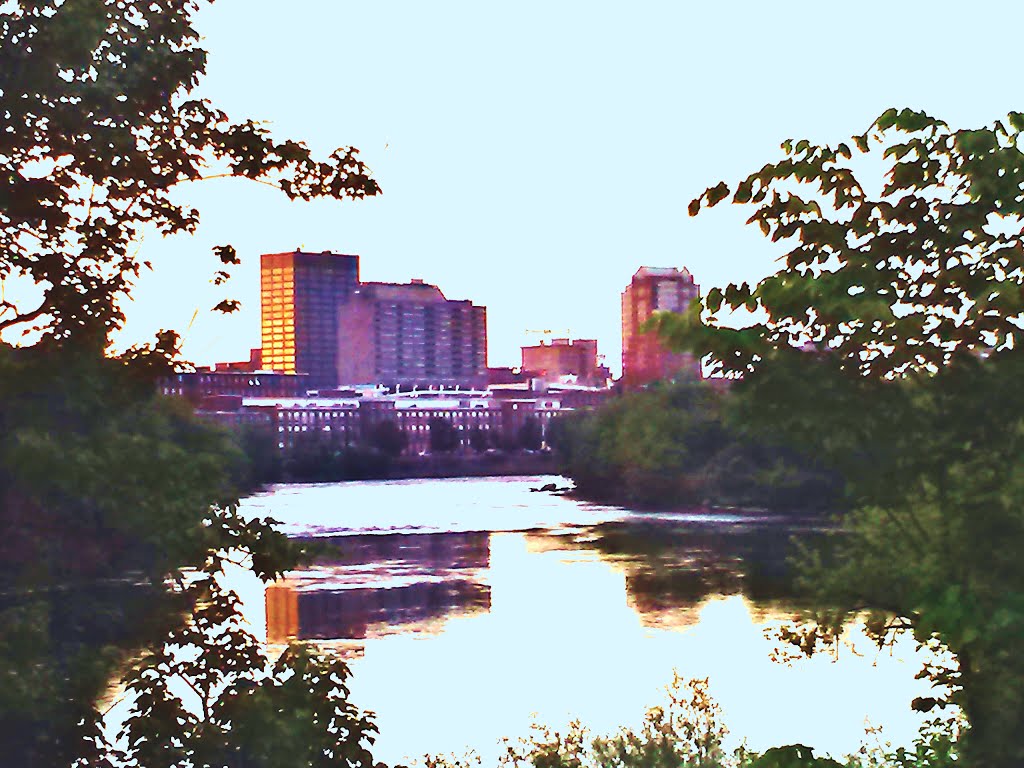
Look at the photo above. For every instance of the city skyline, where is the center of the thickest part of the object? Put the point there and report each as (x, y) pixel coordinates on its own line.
(545, 177)
(319, 319)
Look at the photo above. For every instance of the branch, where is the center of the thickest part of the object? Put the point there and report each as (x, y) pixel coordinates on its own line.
(42, 309)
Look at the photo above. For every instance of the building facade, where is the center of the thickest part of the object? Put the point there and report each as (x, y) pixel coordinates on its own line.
(300, 298)
(476, 420)
(410, 335)
(644, 356)
(194, 386)
(562, 359)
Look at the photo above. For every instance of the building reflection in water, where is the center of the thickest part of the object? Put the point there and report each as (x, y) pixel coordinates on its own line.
(568, 611)
(374, 585)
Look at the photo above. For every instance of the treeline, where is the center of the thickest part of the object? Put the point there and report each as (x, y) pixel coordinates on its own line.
(678, 444)
(383, 452)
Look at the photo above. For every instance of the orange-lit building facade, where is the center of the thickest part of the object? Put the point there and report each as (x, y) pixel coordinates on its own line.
(300, 297)
(644, 357)
(384, 585)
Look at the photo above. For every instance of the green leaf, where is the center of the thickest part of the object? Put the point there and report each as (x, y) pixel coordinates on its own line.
(717, 194)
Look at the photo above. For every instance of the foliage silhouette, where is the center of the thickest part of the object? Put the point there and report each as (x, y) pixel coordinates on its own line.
(444, 438)
(677, 444)
(685, 730)
(890, 346)
(387, 438)
(112, 500)
(101, 126)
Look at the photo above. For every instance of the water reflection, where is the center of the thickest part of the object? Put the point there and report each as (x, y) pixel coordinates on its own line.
(672, 564)
(367, 586)
(462, 635)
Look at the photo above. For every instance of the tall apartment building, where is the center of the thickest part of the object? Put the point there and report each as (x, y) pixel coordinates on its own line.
(300, 296)
(410, 334)
(644, 357)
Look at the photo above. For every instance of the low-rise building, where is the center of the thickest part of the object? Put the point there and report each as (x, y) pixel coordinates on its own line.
(511, 417)
(562, 360)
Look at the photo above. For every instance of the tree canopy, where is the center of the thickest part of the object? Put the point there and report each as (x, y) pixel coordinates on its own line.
(117, 506)
(99, 126)
(672, 445)
(890, 344)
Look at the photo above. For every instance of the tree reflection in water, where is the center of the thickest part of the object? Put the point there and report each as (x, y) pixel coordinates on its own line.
(455, 639)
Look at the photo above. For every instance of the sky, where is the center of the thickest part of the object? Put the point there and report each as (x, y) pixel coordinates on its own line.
(534, 155)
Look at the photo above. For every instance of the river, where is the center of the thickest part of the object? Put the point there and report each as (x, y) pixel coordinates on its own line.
(468, 607)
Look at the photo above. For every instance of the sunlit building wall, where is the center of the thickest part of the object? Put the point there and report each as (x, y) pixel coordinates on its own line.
(644, 356)
(576, 358)
(300, 296)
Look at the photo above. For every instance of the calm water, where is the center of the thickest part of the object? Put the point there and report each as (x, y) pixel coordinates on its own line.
(465, 607)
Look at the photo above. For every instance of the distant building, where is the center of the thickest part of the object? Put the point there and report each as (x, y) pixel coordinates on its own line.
(644, 357)
(507, 376)
(254, 363)
(197, 385)
(409, 334)
(300, 298)
(565, 359)
(480, 419)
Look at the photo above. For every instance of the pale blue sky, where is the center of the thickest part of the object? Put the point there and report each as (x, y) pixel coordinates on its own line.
(534, 155)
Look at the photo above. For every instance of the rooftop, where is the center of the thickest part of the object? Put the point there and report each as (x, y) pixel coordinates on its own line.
(414, 291)
(663, 272)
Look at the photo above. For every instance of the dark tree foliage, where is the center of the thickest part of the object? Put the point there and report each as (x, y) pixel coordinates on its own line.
(444, 438)
(891, 346)
(118, 514)
(675, 444)
(312, 461)
(479, 439)
(387, 438)
(530, 436)
(99, 127)
(261, 458)
(107, 492)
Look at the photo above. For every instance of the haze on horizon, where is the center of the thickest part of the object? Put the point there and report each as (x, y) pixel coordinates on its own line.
(532, 156)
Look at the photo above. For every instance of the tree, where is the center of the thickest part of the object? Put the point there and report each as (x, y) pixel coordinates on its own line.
(388, 439)
(100, 127)
(671, 445)
(479, 439)
(891, 345)
(529, 436)
(444, 438)
(108, 494)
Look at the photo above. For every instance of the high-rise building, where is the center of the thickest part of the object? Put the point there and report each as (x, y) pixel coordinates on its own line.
(300, 296)
(644, 356)
(410, 334)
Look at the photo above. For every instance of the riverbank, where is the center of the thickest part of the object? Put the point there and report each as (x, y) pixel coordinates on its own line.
(356, 464)
(479, 465)
(709, 507)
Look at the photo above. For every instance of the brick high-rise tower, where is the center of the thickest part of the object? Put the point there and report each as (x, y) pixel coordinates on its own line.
(644, 357)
